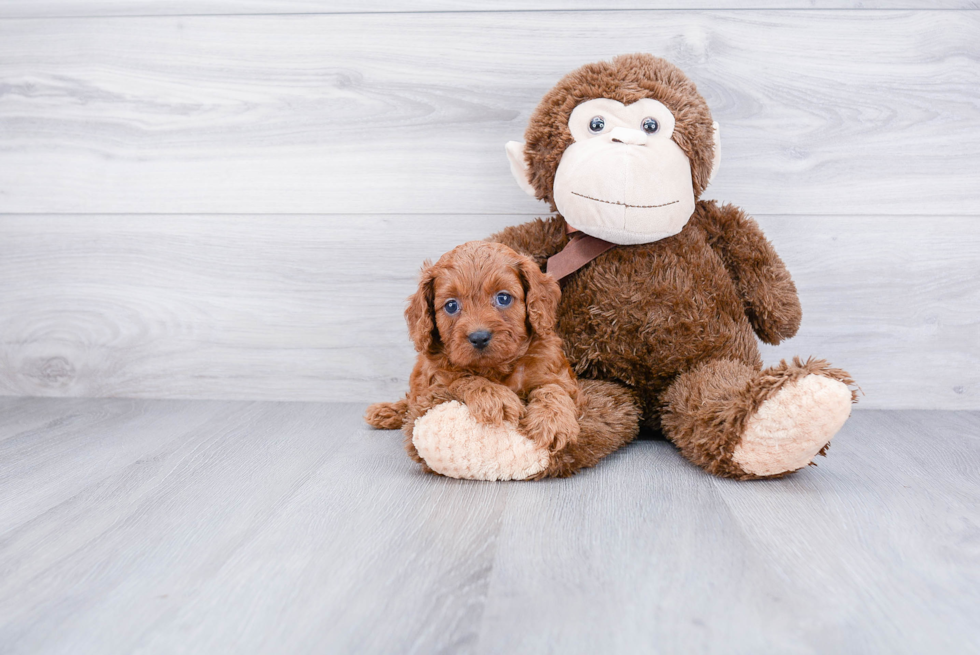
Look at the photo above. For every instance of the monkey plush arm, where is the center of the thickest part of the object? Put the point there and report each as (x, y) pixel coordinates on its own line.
(538, 239)
(771, 302)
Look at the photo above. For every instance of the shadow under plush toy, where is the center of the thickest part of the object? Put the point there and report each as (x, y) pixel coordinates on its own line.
(663, 294)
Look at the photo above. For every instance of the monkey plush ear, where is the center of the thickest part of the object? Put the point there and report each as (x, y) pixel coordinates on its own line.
(518, 167)
(716, 160)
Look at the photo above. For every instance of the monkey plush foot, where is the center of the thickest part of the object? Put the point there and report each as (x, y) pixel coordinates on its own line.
(449, 441)
(793, 426)
(738, 422)
(454, 444)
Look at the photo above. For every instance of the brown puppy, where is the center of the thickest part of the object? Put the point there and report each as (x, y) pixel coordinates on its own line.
(483, 323)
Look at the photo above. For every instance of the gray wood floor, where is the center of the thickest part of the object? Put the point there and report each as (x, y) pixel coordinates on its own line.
(212, 526)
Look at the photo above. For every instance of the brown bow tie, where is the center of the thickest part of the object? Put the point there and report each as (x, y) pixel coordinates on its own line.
(579, 251)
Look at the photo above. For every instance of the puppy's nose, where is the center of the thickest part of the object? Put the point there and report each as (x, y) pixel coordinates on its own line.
(480, 338)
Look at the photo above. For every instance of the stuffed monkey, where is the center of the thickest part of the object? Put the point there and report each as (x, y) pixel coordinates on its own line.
(663, 294)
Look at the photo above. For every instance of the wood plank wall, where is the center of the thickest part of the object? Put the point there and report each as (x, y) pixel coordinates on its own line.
(231, 199)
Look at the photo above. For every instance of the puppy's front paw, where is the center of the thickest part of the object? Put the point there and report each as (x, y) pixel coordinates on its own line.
(550, 419)
(495, 405)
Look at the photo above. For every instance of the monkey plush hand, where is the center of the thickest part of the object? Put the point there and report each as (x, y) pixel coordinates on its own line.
(663, 294)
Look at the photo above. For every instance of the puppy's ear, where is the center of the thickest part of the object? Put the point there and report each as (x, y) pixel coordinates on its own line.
(541, 296)
(420, 315)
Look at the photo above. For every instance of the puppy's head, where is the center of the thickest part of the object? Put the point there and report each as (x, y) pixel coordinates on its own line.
(481, 305)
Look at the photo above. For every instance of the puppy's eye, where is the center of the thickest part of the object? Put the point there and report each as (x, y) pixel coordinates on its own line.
(650, 125)
(596, 124)
(503, 299)
(451, 306)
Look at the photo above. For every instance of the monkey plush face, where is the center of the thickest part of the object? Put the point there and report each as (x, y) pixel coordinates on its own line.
(607, 150)
(623, 179)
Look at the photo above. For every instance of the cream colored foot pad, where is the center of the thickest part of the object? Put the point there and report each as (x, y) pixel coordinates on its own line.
(791, 427)
(454, 444)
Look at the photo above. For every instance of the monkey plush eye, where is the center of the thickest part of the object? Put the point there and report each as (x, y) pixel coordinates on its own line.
(650, 125)
(503, 299)
(451, 306)
(596, 124)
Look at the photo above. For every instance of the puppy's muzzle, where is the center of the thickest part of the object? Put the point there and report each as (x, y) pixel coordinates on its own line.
(480, 338)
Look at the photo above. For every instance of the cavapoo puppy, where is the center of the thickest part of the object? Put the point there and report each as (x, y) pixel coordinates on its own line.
(483, 323)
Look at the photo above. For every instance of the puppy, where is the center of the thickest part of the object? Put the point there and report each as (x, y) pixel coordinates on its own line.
(483, 323)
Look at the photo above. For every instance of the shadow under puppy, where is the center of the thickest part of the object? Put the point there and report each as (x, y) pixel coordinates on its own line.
(483, 323)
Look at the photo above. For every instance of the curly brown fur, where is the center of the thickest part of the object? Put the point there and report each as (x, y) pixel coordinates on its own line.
(683, 307)
(762, 281)
(520, 375)
(538, 239)
(706, 409)
(387, 416)
(645, 316)
(608, 420)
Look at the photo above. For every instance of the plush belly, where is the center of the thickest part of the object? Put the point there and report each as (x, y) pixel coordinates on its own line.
(644, 314)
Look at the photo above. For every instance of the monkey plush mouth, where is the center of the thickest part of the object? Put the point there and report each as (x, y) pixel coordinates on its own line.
(616, 202)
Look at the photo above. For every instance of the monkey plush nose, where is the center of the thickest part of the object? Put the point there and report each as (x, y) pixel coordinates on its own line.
(628, 136)
(480, 338)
